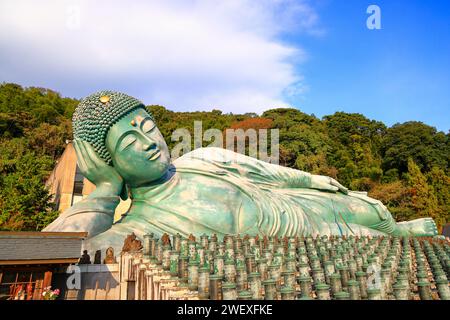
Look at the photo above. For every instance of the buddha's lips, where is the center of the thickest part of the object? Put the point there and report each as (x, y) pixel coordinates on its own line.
(154, 155)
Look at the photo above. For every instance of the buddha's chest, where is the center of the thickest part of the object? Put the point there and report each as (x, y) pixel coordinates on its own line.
(200, 201)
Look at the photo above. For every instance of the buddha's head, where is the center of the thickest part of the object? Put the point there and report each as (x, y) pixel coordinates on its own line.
(124, 134)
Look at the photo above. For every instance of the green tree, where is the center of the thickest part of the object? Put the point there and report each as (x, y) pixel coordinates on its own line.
(440, 182)
(421, 196)
(416, 140)
(355, 151)
(48, 139)
(24, 200)
(304, 142)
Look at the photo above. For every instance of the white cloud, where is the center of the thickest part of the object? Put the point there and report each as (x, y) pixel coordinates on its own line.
(185, 55)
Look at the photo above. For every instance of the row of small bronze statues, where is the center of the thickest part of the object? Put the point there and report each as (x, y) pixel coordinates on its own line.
(109, 259)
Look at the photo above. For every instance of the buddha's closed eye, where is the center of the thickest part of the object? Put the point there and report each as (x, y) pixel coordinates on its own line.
(147, 125)
(127, 141)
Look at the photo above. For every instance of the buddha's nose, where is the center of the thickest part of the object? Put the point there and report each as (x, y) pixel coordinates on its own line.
(148, 146)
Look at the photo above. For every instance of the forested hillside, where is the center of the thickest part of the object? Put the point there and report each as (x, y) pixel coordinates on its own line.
(406, 166)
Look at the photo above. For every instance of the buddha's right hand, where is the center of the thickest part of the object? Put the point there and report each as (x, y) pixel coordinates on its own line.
(106, 179)
(327, 184)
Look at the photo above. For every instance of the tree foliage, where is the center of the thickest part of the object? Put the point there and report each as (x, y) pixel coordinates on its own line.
(34, 124)
(418, 141)
(24, 200)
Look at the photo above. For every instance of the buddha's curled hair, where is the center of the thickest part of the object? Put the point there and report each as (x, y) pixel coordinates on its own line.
(96, 114)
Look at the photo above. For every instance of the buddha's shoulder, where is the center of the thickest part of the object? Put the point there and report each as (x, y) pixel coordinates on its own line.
(213, 154)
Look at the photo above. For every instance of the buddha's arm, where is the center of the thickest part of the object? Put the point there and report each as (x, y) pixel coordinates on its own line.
(292, 178)
(264, 173)
(94, 214)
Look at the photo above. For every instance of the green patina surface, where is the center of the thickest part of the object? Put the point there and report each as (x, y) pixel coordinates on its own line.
(209, 190)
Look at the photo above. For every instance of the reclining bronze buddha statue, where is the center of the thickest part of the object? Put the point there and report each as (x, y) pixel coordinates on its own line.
(209, 190)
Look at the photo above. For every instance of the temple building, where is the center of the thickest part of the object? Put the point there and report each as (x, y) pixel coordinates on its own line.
(28, 261)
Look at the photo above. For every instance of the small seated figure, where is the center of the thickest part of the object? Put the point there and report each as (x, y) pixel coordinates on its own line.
(110, 258)
(209, 190)
(98, 257)
(131, 244)
(85, 258)
(165, 239)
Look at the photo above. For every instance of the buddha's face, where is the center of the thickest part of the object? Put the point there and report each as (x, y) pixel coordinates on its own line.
(138, 150)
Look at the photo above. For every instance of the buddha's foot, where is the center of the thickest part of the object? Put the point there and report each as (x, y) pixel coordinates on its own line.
(424, 227)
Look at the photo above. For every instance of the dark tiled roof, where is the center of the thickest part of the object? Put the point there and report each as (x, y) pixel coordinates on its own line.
(40, 245)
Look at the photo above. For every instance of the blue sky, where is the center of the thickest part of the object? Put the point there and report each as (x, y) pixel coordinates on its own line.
(396, 74)
(238, 55)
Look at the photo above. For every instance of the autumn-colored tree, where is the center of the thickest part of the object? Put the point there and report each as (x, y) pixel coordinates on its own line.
(253, 123)
(440, 182)
(421, 196)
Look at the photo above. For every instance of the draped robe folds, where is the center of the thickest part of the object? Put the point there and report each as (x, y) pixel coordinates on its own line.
(213, 190)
